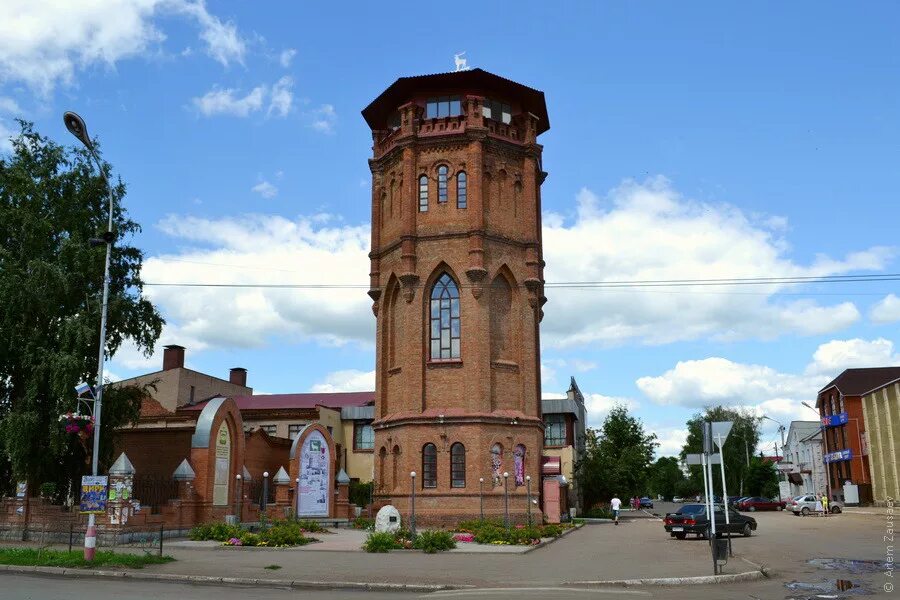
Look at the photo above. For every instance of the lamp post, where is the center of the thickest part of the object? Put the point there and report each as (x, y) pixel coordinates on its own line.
(265, 494)
(237, 496)
(296, 508)
(781, 431)
(481, 496)
(825, 448)
(76, 126)
(506, 498)
(528, 488)
(412, 511)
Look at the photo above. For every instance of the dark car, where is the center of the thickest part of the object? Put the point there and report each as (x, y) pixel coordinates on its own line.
(646, 502)
(691, 518)
(756, 503)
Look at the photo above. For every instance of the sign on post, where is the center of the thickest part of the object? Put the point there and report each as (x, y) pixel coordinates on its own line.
(93, 494)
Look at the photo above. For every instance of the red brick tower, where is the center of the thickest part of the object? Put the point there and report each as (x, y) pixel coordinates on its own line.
(457, 283)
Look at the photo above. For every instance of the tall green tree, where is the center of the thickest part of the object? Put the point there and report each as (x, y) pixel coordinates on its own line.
(739, 447)
(617, 458)
(666, 477)
(52, 201)
(762, 478)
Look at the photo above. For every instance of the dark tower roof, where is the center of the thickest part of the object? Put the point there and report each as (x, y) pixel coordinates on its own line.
(474, 81)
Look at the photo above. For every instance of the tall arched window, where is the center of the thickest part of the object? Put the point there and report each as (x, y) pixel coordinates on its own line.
(457, 465)
(444, 319)
(496, 464)
(442, 183)
(423, 193)
(429, 466)
(519, 464)
(395, 480)
(382, 458)
(461, 190)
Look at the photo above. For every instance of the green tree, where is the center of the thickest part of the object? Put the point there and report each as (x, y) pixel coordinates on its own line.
(51, 203)
(762, 478)
(665, 477)
(739, 446)
(617, 458)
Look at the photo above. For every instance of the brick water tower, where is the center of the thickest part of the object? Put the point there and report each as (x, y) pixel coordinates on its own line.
(457, 283)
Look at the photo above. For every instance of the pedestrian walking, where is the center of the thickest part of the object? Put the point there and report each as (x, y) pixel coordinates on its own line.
(818, 508)
(615, 504)
(825, 504)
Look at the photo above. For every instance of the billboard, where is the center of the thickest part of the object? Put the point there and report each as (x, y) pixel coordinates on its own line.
(314, 491)
(93, 494)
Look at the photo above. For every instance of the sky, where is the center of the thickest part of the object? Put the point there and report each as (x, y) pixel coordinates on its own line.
(688, 141)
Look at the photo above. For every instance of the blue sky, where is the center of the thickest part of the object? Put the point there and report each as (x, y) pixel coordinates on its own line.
(687, 141)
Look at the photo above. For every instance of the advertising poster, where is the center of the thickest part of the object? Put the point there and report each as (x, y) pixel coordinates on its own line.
(93, 494)
(21, 489)
(315, 478)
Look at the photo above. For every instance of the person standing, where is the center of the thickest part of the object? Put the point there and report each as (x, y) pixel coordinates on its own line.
(615, 504)
(825, 504)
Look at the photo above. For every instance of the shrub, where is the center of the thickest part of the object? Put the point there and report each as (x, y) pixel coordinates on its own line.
(488, 534)
(311, 526)
(551, 530)
(219, 532)
(434, 541)
(364, 523)
(381, 542)
(361, 493)
(598, 512)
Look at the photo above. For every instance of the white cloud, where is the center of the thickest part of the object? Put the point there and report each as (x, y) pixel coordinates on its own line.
(323, 119)
(282, 97)
(265, 250)
(10, 106)
(265, 189)
(598, 406)
(671, 440)
(227, 102)
(716, 380)
(5, 134)
(887, 310)
(350, 380)
(286, 57)
(647, 231)
(44, 43)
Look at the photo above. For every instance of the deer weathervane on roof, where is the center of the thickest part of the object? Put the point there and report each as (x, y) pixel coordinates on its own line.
(460, 61)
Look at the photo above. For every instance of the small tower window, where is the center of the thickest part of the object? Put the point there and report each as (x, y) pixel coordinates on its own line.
(429, 466)
(496, 110)
(442, 183)
(443, 106)
(445, 319)
(423, 193)
(461, 191)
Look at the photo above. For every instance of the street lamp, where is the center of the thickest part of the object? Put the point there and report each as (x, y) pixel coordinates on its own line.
(76, 126)
(481, 496)
(412, 511)
(781, 431)
(265, 494)
(237, 496)
(506, 499)
(528, 487)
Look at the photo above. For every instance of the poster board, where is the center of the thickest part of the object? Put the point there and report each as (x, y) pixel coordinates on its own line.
(93, 494)
(223, 466)
(314, 491)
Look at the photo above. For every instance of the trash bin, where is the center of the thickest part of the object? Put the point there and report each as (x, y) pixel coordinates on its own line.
(720, 551)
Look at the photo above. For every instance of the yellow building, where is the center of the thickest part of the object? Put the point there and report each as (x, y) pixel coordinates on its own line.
(881, 412)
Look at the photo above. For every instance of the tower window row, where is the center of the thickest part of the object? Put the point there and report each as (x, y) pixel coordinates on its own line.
(462, 199)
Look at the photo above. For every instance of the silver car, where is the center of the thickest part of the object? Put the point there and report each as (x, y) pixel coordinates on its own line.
(806, 505)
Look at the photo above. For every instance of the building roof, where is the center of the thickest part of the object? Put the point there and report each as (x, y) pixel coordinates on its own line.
(856, 382)
(289, 401)
(475, 80)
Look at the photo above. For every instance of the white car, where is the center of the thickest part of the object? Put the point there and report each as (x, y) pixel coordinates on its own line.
(677, 499)
(806, 505)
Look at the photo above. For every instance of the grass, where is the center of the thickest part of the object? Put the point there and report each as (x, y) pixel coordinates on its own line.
(272, 567)
(40, 557)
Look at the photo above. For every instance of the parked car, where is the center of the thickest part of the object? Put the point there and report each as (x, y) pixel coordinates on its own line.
(806, 504)
(691, 518)
(756, 503)
(741, 499)
(732, 500)
(646, 502)
(677, 499)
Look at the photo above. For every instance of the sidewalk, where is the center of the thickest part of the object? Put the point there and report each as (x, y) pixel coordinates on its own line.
(870, 510)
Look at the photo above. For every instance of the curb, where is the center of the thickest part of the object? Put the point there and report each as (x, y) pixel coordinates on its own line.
(675, 581)
(233, 581)
(551, 540)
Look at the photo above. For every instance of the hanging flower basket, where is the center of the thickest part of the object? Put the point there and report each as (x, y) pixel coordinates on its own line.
(81, 425)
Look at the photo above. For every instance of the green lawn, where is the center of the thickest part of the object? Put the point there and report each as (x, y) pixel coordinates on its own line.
(38, 557)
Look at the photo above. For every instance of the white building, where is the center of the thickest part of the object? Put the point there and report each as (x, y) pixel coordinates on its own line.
(803, 450)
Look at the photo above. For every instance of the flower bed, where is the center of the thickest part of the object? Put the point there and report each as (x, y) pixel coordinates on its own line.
(429, 542)
(277, 534)
(493, 531)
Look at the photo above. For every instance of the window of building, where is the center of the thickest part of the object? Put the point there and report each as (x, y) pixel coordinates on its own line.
(445, 319)
(831, 397)
(270, 429)
(841, 401)
(443, 106)
(519, 464)
(429, 466)
(191, 399)
(496, 110)
(393, 121)
(442, 183)
(496, 464)
(423, 193)
(461, 191)
(554, 430)
(457, 465)
(363, 436)
(294, 429)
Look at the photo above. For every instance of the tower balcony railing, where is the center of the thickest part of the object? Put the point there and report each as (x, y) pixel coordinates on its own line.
(449, 125)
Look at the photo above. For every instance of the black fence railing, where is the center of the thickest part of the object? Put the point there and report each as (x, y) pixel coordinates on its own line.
(71, 536)
(255, 491)
(154, 492)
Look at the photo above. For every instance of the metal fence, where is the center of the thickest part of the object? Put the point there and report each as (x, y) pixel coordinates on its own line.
(255, 492)
(147, 539)
(153, 491)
